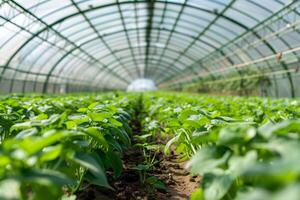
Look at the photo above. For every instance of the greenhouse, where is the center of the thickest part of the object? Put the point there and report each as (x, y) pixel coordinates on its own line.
(150, 99)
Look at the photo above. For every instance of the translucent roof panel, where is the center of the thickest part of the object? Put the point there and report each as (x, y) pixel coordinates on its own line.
(109, 43)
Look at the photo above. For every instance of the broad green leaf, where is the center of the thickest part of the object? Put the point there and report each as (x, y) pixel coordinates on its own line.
(46, 122)
(173, 123)
(82, 110)
(282, 128)
(4, 160)
(254, 194)
(115, 163)
(34, 144)
(186, 114)
(21, 126)
(91, 106)
(91, 178)
(70, 124)
(115, 122)
(236, 135)
(88, 162)
(216, 186)
(38, 192)
(99, 117)
(46, 177)
(26, 133)
(120, 134)
(40, 117)
(238, 164)
(290, 192)
(210, 158)
(51, 153)
(113, 143)
(79, 119)
(98, 136)
(227, 119)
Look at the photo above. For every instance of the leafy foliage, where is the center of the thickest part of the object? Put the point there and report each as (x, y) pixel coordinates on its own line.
(48, 143)
(243, 148)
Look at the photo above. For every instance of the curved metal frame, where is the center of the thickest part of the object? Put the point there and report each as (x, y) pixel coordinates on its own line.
(85, 55)
(69, 35)
(79, 13)
(284, 66)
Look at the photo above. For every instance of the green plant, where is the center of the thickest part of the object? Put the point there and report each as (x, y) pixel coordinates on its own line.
(150, 160)
(243, 148)
(53, 144)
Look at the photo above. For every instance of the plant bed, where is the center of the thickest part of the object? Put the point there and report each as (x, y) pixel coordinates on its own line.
(150, 146)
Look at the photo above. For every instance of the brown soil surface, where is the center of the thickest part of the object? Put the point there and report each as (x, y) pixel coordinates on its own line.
(179, 184)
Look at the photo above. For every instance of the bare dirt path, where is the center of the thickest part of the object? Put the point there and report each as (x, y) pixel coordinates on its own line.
(179, 184)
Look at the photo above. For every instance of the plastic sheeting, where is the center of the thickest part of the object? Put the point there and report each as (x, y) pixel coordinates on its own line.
(106, 44)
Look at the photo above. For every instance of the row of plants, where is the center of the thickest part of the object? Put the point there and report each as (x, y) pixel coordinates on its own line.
(61, 145)
(243, 148)
(245, 82)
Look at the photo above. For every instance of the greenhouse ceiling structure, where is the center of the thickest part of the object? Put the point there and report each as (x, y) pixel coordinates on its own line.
(92, 45)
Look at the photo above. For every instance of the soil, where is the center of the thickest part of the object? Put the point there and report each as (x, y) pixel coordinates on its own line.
(179, 183)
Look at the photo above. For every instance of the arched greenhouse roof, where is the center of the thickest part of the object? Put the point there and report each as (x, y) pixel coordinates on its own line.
(74, 45)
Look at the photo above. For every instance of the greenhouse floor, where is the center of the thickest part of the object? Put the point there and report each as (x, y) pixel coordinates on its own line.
(178, 182)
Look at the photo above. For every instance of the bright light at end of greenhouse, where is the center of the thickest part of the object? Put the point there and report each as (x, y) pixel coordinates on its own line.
(141, 85)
